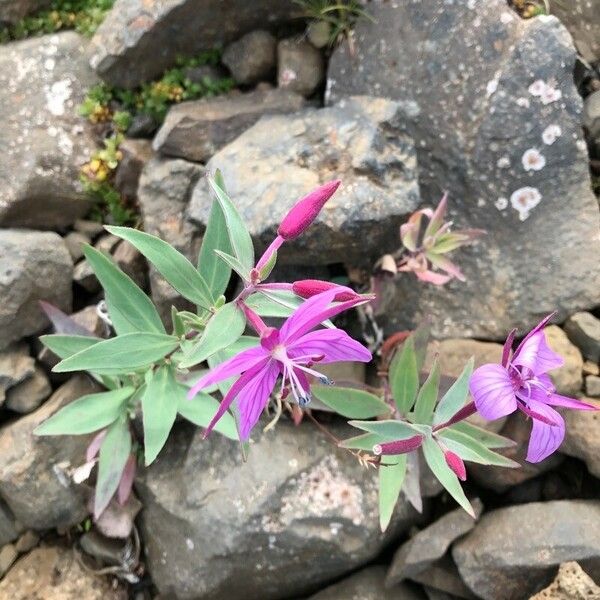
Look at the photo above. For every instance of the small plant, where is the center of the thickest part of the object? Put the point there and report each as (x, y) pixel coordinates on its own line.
(531, 8)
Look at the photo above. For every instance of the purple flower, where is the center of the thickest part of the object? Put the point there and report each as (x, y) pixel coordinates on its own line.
(289, 352)
(521, 382)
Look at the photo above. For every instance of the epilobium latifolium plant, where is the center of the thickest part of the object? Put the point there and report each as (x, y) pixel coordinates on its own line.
(150, 372)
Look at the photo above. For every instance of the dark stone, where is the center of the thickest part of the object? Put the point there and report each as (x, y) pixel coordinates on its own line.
(12, 11)
(252, 58)
(583, 330)
(300, 67)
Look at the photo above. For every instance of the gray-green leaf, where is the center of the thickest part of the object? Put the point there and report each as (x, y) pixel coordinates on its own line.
(201, 409)
(392, 471)
(427, 396)
(404, 377)
(67, 345)
(390, 430)
(350, 402)
(454, 399)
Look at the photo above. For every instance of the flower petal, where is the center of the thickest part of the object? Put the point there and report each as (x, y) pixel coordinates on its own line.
(508, 347)
(545, 439)
(492, 391)
(535, 354)
(558, 400)
(332, 344)
(433, 277)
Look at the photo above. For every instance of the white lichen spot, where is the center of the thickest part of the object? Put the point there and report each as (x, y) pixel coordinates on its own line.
(491, 87)
(537, 88)
(480, 202)
(287, 76)
(551, 134)
(471, 4)
(506, 18)
(65, 144)
(551, 95)
(524, 199)
(189, 543)
(49, 64)
(293, 463)
(581, 145)
(501, 203)
(57, 96)
(523, 102)
(335, 527)
(533, 160)
(503, 162)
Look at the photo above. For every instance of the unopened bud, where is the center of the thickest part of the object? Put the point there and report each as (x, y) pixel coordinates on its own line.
(399, 446)
(456, 463)
(307, 288)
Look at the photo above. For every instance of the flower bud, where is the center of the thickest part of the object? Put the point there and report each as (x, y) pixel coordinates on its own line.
(306, 288)
(456, 463)
(305, 211)
(399, 446)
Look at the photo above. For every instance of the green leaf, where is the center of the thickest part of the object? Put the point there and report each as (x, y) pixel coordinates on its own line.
(235, 264)
(240, 239)
(437, 463)
(122, 354)
(114, 452)
(129, 308)
(224, 328)
(366, 441)
(488, 438)
(389, 430)
(427, 396)
(216, 237)
(392, 471)
(470, 449)
(86, 414)
(351, 403)
(67, 345)
(170, 263)
(454, 399)
(404, 377)
(201, 409)
(178, 324)
(159, 409)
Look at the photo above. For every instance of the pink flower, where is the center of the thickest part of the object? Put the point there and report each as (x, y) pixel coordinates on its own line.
(522, 382)
(289, 352)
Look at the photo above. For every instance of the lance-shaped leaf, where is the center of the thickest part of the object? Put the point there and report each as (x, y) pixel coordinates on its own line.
(170, 263)
(234, 264)
(404, 377)
(427, 396)
(159, 409)
(240, 239)
(67, 345)
(445, 475)
(201, 409)
(122, 354)
(129, 308)
(223, 329)
(365, 442)
(87, 414)
(488, 438)
(392, 471)
(114, 453)
(350, 402)
(388, 430)
(454, 399)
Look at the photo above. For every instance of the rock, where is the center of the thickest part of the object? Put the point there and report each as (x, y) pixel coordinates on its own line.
(366, 585)
(124, 47)
(108, 551)
(34, 471)
(9, 530)
(83, 274)
(33, 266)
(296, 501)
(44, 140)
(15, 367)
(136, 153)
(590, 368)
(300, 67)
(142, 126)
(28, 395)
(582, 439)
(201, 73)
(28, 541)
(89, 318)
(571, 583)
(534, 538)
(518, 429)
(252, 58)
(196, 130)
(91, 229)
(567, 379)
(469, 67)
(164, 192)
(8, 555)
(592, 385)
(282, 158)
(591, 120)
(12, 11)
(75, 241)
(443, 577)
(132, 262)
(581, 18)
(583, 330)
(53, 573)
(430, 544)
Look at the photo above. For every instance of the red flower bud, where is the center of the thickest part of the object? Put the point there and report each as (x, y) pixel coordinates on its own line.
(399, 446)
(305, 211)
(306, 288)
(456, 463)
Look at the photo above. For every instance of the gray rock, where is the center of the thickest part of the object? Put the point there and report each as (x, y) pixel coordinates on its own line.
(89, 319)
(297, 514)
(571, 583)
(43, 140)
(163, 195)
(582, 439)
(366, 585)
(33, 266)
(109, 551)
(9, 529)
(28, 395)
(252, 58)
(75, 241)
(15, 367)
(124, 47)
(430, 544)
(8, 555)
(282, 158)
(197, 130)
(136, 153)
(513, 552)
(567, 379)
(592, 385)
(591, 119)
(582, 19)
(83, 274)
(443, 577)
(469, 67)
(12, 11)
(583, 330)
(34, 471)
(300, 66)
(27, 541)
(132, 262)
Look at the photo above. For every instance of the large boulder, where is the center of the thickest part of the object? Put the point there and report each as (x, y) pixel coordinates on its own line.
(141, 38)
(514, 552)
(281, 158)
(582, 19)
(499, 127)
(12, 11)
(34, 266)
(43, 140)
(297, 514)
